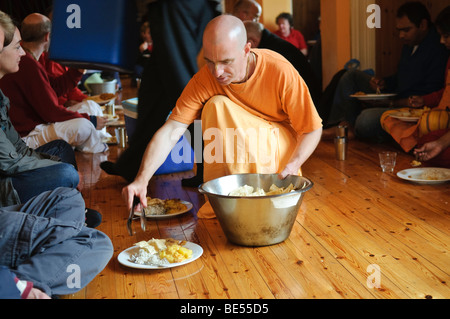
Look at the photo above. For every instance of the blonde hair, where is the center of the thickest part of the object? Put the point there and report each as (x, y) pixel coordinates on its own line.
(8, 27)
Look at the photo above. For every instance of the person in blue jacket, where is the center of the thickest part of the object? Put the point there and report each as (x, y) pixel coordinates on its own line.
(45, 244)
(420, 71)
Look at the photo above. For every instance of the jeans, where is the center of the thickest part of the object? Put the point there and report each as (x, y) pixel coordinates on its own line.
(344, 107)
(45, 241)
(61, 149)
(31, 183)
(368, 126)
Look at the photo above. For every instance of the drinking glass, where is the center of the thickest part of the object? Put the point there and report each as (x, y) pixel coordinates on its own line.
(387, 161)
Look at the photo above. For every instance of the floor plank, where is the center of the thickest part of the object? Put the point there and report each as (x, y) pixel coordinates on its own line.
(354, 219)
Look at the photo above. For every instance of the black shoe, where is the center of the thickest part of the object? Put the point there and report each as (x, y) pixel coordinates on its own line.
(93, 218)
(109, 168)
(195, 181)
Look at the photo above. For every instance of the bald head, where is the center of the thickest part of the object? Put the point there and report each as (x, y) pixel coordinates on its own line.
(254, 32)
(35, 27)
(247, 10)
(226, 49)
(225, 30)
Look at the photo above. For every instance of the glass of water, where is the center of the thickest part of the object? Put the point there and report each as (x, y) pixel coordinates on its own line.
(387, 161)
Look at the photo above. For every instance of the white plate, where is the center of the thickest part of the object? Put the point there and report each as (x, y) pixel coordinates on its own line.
(188, 208)
(110, 140)
(111, 118)
(124, 257)
(401, 116)
(371, 97)
(415, 175)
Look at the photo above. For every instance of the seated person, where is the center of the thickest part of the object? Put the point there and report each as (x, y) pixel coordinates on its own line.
(73, 95)
(46, 246)
(262, 38)
(247, 10)
(48, 167)
(12, 287)
(287, 32)
(239, 90)
(145, 52)
(73, 99)
(420, 71)
(430, 135)
(35, 111)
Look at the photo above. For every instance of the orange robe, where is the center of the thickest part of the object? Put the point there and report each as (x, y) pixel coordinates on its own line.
(274, 103)
(407, 134)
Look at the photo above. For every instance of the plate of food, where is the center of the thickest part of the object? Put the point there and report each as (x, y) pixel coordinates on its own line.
(111, 118)
(370, 97)
(160, 254)
(165, 208)
(103, 98)
(425, 175)
(110, 140)
(405, 116)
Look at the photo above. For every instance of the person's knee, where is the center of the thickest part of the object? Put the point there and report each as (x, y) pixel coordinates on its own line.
(102, 246)
(105, 245)
(68, 175)
(217, 107)
(84, 129)
(215, 104)
(368, 125)
(352, 81)
(63, 150)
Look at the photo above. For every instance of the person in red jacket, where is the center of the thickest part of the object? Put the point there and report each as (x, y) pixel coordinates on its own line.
(287, 32)
(54, 69)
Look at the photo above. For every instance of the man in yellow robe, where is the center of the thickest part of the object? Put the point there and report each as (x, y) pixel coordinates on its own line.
(252, 95)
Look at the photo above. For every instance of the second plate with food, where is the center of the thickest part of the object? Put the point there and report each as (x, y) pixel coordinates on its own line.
(404, 116)
(102, 99)
(371, 97)
(425, 175)
(169, 215)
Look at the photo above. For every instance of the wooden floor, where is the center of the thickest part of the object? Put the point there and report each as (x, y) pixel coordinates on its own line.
(360, 233)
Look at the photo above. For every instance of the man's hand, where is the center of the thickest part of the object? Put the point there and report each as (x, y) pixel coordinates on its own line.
(416, 101)
(429, 150)
(288, 171)
(377, 84)
(306, 144)
(138, 189)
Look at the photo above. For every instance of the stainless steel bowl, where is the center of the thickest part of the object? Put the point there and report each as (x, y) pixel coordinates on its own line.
(255, 221)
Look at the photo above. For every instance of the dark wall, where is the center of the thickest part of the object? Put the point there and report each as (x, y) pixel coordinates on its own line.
(19, 9)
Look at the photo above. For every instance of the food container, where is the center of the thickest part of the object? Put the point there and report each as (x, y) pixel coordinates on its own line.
(103, 87)
(256, 221)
